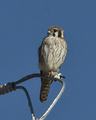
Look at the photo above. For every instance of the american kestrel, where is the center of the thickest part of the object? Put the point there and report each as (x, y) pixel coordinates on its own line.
(52, 53)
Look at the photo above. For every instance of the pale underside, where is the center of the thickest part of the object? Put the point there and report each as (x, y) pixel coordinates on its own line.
(52, 53)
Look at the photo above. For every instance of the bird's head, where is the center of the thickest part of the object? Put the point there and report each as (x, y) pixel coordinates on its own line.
(55, 31)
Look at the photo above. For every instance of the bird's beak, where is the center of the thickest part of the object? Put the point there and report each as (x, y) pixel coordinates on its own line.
(49, 32)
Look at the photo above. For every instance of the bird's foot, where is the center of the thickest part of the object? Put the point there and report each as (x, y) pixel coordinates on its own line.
(52, 73)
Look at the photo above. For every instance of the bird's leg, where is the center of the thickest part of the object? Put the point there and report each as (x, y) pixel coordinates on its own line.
(52, 73)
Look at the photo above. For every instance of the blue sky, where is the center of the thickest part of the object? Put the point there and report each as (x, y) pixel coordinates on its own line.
(23, 25)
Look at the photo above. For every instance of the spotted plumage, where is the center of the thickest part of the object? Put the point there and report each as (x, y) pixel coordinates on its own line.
(52, 53)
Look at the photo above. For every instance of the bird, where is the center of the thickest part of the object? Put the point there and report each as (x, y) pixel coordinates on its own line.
(51, 54)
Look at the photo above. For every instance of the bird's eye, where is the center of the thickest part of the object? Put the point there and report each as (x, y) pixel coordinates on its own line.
(55, 30)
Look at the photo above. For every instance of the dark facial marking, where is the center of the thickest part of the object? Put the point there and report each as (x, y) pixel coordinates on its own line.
(55, 30)
(59, 33)
(54, 34)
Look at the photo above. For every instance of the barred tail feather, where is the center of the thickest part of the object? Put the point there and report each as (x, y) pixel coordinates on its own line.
(45, 86)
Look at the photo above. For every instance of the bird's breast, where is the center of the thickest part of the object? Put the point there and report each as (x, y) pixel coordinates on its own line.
(52, 51)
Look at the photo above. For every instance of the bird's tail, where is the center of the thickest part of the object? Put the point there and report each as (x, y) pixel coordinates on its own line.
(45, 86)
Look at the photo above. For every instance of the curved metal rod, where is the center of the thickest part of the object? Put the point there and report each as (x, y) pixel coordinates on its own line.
(35, 75)
(29, 100)
(12, 86)
(55, 100)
